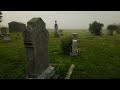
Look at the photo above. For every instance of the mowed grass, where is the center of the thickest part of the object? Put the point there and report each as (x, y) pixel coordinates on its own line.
(99, 57)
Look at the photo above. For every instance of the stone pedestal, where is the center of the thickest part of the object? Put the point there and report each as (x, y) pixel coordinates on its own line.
(48, 73)
(74, 48)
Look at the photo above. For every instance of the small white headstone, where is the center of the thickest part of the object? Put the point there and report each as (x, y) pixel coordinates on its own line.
(74, 45)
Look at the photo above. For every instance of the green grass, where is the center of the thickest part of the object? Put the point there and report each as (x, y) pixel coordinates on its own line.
(99, 57)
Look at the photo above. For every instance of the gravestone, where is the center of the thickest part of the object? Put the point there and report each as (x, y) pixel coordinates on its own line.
(74, 45)
(5, 33)
(74, 48)
(61, 32)
(6, 37)
(0, 32)
(0, 29)
(4, 30)
(8, 31)
(75, 36)
(56, 30)
(36, 44)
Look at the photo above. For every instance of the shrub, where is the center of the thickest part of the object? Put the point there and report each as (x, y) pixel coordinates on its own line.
(65, 45)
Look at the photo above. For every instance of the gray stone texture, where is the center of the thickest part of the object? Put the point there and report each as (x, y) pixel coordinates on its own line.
(4, 30)
(56, 30)
(74, 47)
(74, 44)
(75, 36)
(36, 43)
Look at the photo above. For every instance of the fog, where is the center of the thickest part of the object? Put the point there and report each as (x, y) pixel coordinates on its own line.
(65, 19)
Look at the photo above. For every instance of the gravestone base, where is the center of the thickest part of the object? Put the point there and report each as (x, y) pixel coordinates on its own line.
(46, 74)
(73, 54)
(55, 77)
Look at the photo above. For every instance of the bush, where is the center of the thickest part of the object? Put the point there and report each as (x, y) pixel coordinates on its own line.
(96, 28)
(65, 45)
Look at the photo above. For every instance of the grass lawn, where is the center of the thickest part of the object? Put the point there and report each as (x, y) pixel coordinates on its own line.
(99, 57)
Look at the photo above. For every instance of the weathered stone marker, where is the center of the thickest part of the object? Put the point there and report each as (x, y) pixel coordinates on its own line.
(61, 32)
(7, 37)
(36, 43)
(4, 30)
(74, 48)
(74, 45)
(75, 36)
(70, 71)
(0, 32)
(6, 34)
(56, 30)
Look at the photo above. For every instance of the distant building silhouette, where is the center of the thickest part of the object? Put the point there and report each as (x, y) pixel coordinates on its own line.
(16, 26)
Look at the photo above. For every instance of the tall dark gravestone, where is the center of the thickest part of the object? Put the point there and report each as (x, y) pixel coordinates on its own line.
(36, 44)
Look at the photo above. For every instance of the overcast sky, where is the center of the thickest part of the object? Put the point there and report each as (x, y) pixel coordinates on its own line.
(65, 19)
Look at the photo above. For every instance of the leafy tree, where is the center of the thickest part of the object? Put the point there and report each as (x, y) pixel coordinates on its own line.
(111, 29)
(96, 28)
(118, 30)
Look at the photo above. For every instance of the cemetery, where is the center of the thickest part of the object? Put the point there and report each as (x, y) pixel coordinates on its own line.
(35, 52)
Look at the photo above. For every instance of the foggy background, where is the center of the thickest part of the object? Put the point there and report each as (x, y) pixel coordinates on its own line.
(65, 19)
